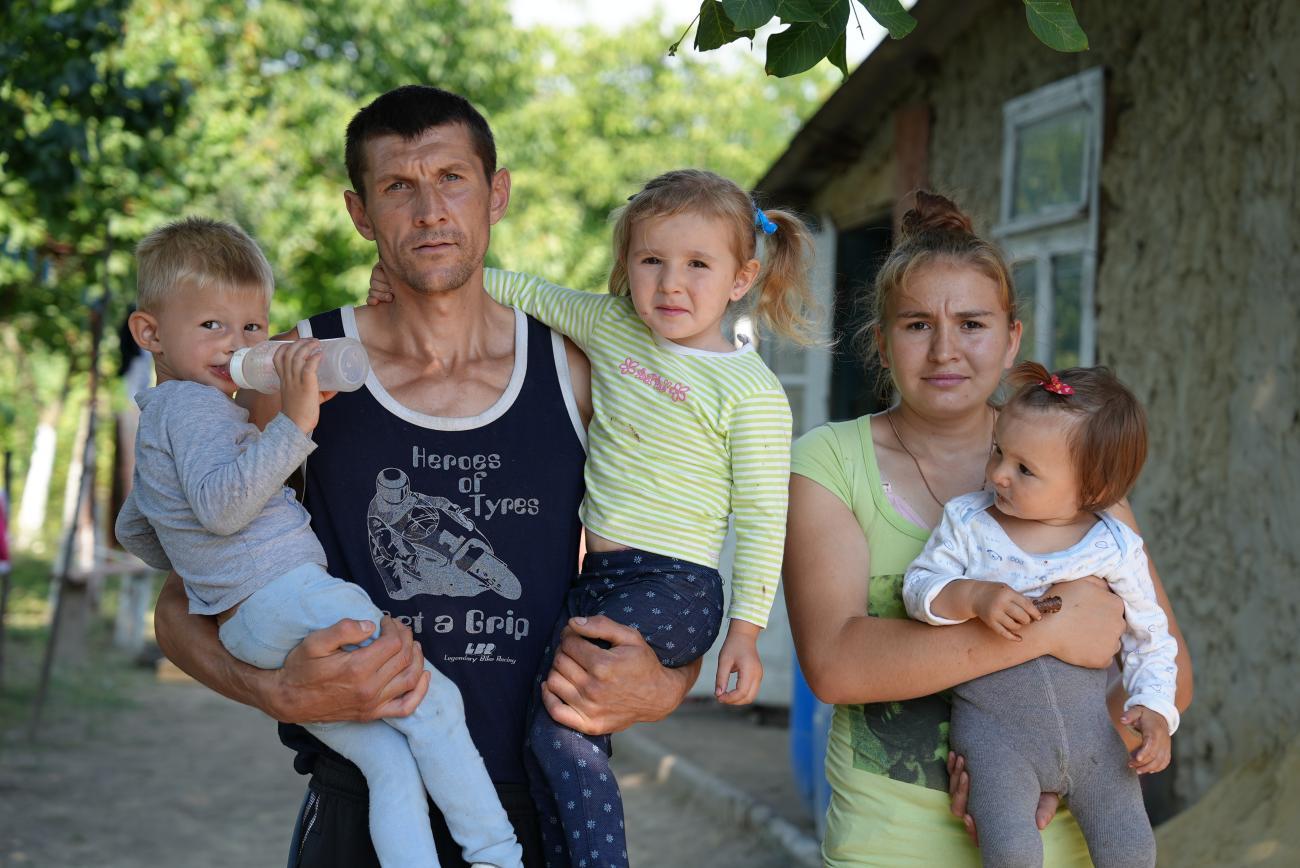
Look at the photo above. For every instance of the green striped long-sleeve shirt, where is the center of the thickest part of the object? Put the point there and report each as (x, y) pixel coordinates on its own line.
(680, 439)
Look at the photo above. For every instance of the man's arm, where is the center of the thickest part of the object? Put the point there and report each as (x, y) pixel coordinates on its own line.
(319, 681)
(580, 380)
(602, 690)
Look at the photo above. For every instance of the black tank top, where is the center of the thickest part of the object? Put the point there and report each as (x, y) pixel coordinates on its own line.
(466, 529)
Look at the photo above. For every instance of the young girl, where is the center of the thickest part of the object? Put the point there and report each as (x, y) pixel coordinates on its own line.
(1066, 447)
(687, 430)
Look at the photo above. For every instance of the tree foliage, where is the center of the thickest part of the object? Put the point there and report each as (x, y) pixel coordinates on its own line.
(815, 29)
(83, 138)
(117, 115)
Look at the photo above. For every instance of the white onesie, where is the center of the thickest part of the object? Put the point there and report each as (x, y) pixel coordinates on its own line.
(970, 544)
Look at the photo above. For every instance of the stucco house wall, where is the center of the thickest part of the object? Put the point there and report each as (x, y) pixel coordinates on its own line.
(1198, 297)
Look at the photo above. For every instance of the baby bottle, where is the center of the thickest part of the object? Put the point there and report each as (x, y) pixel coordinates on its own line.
(343, 366)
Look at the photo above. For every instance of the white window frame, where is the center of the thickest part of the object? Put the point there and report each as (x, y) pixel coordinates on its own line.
(812, 376)
(1068, 229)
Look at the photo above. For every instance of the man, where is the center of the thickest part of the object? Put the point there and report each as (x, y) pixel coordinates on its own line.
(447, 488)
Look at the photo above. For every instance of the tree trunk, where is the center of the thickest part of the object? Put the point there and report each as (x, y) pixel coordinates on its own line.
(5, 501)
(79, 522)
(36, 490)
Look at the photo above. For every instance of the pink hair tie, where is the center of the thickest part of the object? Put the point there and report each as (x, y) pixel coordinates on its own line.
(1056, 387)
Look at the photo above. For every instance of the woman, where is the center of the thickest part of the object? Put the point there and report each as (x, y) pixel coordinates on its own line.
(863, 497)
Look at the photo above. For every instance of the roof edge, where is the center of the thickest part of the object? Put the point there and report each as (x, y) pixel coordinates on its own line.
(836, 132)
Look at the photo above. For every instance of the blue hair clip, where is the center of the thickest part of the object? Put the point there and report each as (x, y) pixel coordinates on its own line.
(762, 222)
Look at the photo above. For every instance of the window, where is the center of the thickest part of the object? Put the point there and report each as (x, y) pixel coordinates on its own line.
(805, 373)
(1050, 167)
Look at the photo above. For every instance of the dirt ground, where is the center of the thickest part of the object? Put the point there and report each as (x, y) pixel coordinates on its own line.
(183, 777)
(1249, 818)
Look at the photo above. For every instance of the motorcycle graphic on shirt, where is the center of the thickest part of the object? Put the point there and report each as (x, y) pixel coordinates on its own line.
(422, 544)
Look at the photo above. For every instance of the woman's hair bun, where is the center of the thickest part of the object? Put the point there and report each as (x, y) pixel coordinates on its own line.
(935, 213)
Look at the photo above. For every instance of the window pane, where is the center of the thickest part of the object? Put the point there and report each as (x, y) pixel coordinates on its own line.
(1023, 276)
(794, 394)
(783, 356)
(1067, 309)
(1050, 156)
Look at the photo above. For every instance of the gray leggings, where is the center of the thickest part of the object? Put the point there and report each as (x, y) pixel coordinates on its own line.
(1042, 727)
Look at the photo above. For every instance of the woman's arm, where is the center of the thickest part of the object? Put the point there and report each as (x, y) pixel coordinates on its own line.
(849, 657)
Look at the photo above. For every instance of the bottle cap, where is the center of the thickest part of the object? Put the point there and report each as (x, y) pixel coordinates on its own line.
(352, 364)
(236, 368)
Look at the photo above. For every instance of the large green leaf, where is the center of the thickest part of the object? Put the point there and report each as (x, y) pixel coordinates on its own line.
(716, 28)
(1053, 22)
(838, 54)
(750, 14)
(801, 45)
(805, 11)
(890, 15)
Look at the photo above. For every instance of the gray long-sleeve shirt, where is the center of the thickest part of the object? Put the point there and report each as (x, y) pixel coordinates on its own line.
(209, 498)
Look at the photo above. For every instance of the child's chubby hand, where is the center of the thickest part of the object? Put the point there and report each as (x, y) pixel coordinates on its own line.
(1152, 755)
(300, 395)
(381, 291)
(1004, 611)
(739, 654)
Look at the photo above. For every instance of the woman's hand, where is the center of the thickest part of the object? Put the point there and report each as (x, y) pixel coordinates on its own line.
(959, 793)
(1087, 630)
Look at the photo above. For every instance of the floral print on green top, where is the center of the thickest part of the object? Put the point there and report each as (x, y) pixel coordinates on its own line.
(907, 740)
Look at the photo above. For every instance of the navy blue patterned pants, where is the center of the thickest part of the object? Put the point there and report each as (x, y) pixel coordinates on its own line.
(677, 607)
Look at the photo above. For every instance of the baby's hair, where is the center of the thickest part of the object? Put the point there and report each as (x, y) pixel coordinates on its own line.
(934, 230)
(1108, 441)
(198, 254)
(784, 296)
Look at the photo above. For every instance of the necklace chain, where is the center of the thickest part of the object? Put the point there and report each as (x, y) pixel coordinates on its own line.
(889, 417)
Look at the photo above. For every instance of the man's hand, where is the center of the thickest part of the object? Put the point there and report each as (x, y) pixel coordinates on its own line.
(300, 396)
(739, 654)
(599, 690)
(322, 682)
(1153, 754)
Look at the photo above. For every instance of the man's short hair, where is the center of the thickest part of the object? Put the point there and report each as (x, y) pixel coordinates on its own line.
(198, 254)
(409, 111)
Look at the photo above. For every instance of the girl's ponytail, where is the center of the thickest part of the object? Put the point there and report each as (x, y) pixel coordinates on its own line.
(1027, 373)
(785, 303)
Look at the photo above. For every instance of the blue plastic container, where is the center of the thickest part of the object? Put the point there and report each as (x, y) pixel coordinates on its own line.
(810, 724)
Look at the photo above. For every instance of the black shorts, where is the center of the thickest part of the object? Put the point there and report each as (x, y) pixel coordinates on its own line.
(333, 828)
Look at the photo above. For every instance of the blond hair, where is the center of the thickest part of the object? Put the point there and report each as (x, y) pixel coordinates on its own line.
(784, 297)
(935, 230)
(198, 254)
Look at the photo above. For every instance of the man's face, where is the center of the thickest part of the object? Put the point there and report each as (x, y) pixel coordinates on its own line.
(429, 207)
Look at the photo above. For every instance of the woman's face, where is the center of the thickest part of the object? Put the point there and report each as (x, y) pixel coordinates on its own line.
(946, 339)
